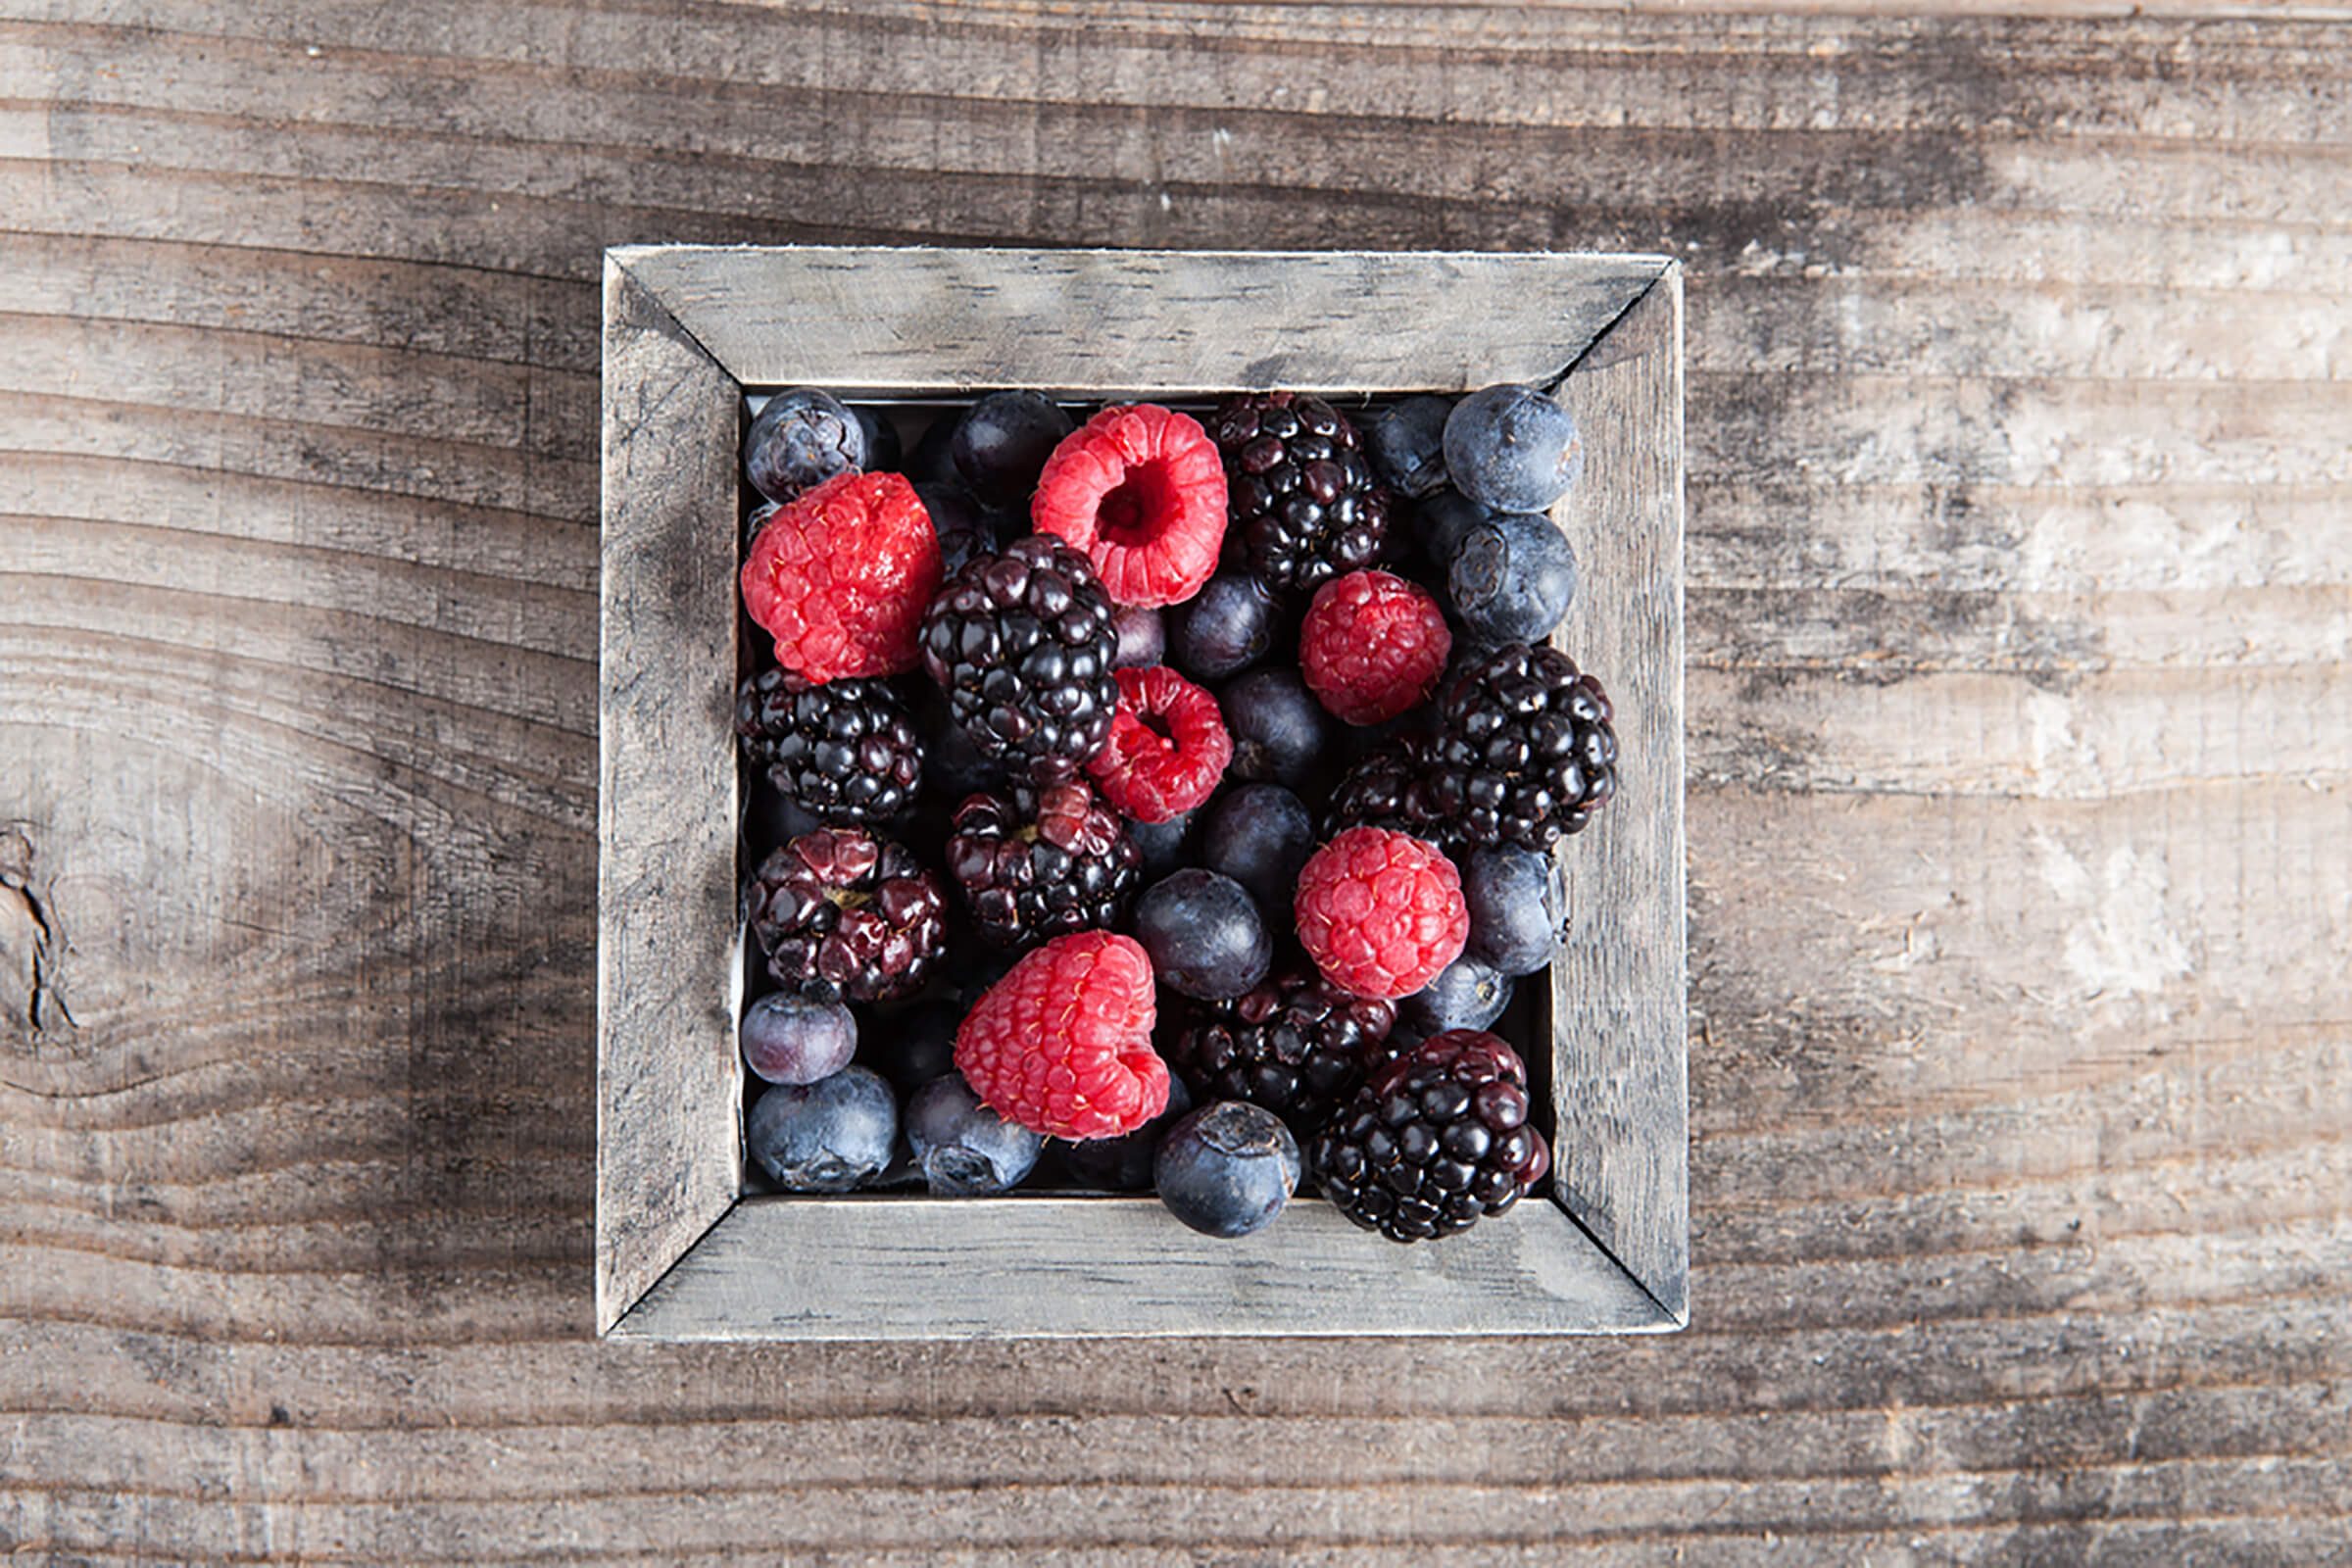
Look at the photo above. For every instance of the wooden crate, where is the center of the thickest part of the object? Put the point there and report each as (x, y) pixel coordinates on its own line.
(680, 1253)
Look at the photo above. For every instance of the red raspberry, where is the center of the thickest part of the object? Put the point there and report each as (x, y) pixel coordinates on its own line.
(1062, 1044)
(1381, 912)
(840, 577)
(1142, 490)
(1168, 746)
(1373, 645)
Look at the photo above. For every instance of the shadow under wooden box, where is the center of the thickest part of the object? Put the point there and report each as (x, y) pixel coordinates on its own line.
(681, 1251)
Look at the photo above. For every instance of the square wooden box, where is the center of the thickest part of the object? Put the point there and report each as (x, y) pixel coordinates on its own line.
(680, 1253)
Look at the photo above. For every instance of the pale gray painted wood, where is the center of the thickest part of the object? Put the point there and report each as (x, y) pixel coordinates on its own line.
(885, 1268)
(1620, 1025)
(668, 1075)
(1113, 324)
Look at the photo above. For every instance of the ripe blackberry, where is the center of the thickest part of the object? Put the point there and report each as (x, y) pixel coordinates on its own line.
(844, 916)
(1024, 644)
(845, 751)
(1302, 502)
(1291, 1043)
(1387, 787)
(1524, 751)
(1435, 1139)
(1037, 864)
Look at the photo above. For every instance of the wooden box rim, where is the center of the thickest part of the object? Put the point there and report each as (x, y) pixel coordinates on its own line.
(679, 1253)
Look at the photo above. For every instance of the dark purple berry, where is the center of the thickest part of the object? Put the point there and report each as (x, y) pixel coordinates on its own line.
(1002, 442)
(965, 1149)
(1467, 994)
(1143, 637)
(824, 1137)
(789, 1039)
(1511, 579)
(1227, 1169)
(1259, 835)
(1280, 732)
(1407, 444)
(1518, 903)
(1513, 449)
(799, 439)
(1228, 627)
(1204, 934)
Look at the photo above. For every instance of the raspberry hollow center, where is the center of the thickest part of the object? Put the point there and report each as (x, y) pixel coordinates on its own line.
(1135, 511)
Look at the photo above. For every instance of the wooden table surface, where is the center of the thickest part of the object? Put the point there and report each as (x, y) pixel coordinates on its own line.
(2021, 596)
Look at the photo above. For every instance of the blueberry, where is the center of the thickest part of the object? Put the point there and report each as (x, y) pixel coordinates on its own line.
(1440, 521)
(913, 1046)
(1467, 994)
(933, 459)
(824, 1137)
(1280, 732)
(1227, 1169)
(1123, 1164)
(964, 528)
(883, 448)
(1513, 449)
(1226, 627)
(1511, 579)
(1143, 638)
(1164, 844)
(1259, 835)
(799, 440)
(788, 1038)
(1518, 902)
(1005, 439)
(965, 1149)
(1205, 935)
(1407, 444)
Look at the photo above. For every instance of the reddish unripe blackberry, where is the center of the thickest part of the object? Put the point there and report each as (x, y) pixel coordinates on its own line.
(844, 916)
(1037, 864)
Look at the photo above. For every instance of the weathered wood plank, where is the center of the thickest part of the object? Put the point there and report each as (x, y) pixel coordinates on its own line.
(315, 889)
(1115, 323)
(885, 1268)
(669, 1080)
(1619, 1011)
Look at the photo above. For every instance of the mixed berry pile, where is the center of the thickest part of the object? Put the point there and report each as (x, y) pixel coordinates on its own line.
(1160, 802)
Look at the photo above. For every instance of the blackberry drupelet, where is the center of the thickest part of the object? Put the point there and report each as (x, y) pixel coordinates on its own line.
(845, 916)
(1023, 643)
(1437, 1140)
(1304, 505)
(845, 751)
(1292, 1044)
(1033, 864)
(1387, 787)
(1524, 751)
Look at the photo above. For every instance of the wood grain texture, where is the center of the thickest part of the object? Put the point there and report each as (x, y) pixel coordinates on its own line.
(669, 968)
(1151, 324)
(1110, 324)
(2019, 887)
(889, 1268)
(1620, 1019)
